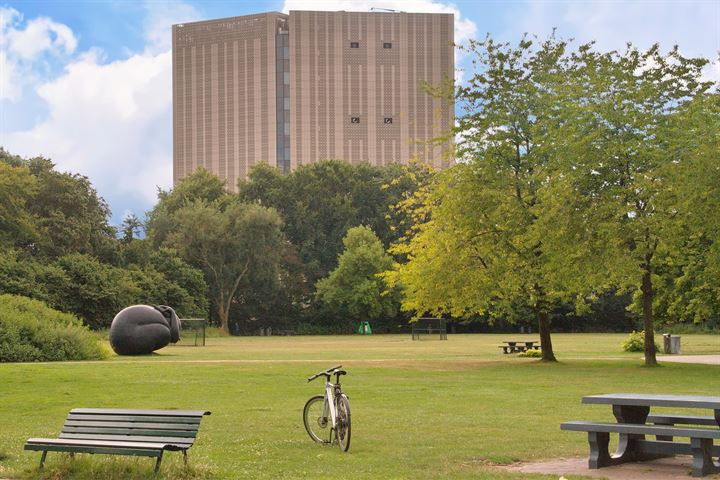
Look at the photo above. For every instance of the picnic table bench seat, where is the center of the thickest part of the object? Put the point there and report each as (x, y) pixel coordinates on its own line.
(146, 433)
(661, 419)
(700, 447)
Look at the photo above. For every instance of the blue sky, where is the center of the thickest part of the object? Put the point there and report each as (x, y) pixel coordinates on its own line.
(88, 83)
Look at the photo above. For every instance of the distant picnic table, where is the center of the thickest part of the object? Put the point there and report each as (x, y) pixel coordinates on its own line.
(512, 346)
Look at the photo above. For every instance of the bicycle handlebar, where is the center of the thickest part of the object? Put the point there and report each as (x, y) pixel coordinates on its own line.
(326, 373)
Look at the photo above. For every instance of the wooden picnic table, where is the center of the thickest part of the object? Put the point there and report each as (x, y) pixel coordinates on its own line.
(634, 422)
(512, 346)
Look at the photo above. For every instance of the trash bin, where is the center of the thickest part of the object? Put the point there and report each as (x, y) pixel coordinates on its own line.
(671, 343)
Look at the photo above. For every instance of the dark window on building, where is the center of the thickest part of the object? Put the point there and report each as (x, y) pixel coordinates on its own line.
(354, 44)
(354, 119)
(387, 45)
(387, 120)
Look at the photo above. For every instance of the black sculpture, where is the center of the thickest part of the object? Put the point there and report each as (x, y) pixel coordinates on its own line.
(142, 329)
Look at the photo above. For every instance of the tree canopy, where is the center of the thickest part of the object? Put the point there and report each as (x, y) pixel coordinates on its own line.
(356, 285)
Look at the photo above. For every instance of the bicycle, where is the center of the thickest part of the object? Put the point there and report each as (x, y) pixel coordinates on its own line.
(330, 410)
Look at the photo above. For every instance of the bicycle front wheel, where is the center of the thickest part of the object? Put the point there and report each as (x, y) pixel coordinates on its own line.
(317, 420)
(342, 428)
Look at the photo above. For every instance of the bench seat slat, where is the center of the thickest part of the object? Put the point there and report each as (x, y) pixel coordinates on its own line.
(134, 418)
(124, 411)
(130, 431)
(129, 438)
(193, 427)
(139, 452)
(682, 420)
(96, 443)
(641, 429)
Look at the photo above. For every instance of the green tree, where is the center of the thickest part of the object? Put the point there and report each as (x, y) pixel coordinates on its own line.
(478, 250)
(237, 246)
(92, 290)
(321, 201)
(201, 185)
(131, 225)
(18, 227)
(71, 216)
(690, 290)
(356, 285)
(610, 218)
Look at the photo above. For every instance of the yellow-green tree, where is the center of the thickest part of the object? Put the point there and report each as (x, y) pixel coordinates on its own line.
(477, 249)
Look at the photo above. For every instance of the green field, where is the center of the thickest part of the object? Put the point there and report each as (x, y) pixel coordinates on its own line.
(422, 409)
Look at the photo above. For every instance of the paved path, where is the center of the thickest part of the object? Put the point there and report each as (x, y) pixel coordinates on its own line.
(670, 468)
(706, 359)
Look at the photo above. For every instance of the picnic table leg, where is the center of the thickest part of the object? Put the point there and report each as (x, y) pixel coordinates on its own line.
(702, 457)
(626, 449)
(42, 459)
(599, 455)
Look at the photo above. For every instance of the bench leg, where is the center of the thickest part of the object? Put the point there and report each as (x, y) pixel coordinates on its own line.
(185, 457)
(157, 463)
(599, 455)
(42, 459)
(702, 457)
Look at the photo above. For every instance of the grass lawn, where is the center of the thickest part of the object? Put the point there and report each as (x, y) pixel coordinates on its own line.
(420, 410)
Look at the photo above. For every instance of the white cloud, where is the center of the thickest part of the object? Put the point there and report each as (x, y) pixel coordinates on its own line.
(40, 35)
(22, 48)
(159, 19)
(693, 25)
(9, 78)
(110, 122)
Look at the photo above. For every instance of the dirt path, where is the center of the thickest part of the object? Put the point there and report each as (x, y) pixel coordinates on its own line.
(671, 468)
(706, 359)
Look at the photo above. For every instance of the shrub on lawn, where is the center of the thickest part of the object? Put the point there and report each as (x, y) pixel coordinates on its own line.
(30, 331)
(636, 342)
(531, 353)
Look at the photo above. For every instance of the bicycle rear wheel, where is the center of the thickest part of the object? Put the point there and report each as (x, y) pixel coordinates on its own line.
(342, 429)
(317, 422)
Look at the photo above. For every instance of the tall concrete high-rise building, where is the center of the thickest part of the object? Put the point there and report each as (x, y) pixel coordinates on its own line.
(293, 89)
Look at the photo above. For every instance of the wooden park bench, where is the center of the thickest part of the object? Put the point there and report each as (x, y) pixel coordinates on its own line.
(147, 433)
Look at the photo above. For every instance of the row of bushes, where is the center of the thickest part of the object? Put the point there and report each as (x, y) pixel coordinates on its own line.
(30, 331)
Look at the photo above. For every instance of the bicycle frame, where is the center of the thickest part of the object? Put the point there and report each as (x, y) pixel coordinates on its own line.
(329, 402)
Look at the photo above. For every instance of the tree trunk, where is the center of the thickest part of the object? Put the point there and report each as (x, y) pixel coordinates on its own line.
(545, 340)
(647, 298)
(223, 315)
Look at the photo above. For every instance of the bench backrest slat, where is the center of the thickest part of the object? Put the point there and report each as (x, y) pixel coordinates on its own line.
(175, 427)
(130, 431)
(123, 411)
(135, 418)
(193, 427)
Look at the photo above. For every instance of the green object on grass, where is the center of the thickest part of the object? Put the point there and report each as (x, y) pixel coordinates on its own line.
(364, 328)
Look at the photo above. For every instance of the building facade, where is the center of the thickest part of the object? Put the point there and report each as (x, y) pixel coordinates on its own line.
(293, 89)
